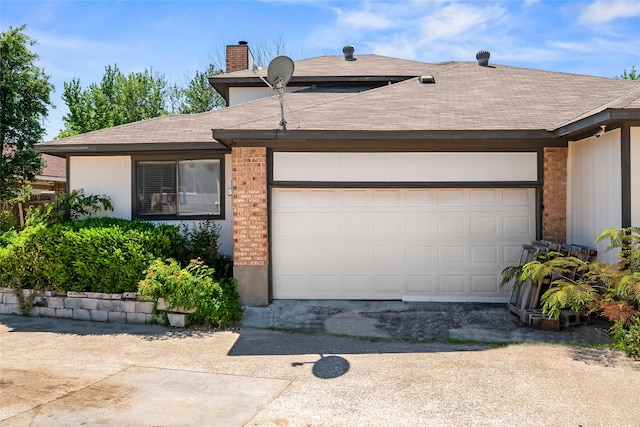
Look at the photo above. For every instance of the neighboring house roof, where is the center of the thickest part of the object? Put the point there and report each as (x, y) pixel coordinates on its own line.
(466, 99)
(55, 168)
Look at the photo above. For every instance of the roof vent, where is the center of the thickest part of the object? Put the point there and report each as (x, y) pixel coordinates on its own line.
(348, 53)
(426, 79)
(483, 57)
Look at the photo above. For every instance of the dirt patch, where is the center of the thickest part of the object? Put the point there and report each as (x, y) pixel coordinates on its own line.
(21, 388)
(24, 390)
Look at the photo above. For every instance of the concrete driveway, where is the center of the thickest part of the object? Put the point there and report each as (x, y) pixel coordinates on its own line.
(71, 373)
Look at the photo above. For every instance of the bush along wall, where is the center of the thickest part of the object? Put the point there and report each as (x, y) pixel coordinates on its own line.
(110, 256)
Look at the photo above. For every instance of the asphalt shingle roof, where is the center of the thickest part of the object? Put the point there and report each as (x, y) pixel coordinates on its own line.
(465, 96)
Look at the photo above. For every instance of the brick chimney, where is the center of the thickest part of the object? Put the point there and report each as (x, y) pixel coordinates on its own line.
(239, 57)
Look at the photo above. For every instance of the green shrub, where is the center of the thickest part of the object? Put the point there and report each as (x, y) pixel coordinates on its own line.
(628, 339)
(7, 238)
(68, 207)
(100, 254)
(201, 242)
(7, 221)
(192, 288)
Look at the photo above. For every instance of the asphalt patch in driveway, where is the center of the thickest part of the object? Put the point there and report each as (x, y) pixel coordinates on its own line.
(139, 396)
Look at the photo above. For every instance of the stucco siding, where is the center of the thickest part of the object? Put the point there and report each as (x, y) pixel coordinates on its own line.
(405, 167)
(635, 176)
(594, 193)
(109, 175)
(240, 95)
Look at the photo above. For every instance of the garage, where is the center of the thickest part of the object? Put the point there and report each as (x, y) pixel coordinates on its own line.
(422, 244)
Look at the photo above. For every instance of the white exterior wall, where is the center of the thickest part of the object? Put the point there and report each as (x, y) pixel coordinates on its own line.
(594, 190)
(109, 175)
(635, 176)
(239, 95)
(226, 225)
(407, 167)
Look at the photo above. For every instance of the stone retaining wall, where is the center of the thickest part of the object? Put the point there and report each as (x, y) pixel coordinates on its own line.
(92, 306)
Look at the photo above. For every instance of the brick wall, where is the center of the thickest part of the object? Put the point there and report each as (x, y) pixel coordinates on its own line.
(250, 216)
(554, 195)
(237, 57)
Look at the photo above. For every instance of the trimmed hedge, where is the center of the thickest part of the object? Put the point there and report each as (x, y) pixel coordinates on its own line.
(98, 254)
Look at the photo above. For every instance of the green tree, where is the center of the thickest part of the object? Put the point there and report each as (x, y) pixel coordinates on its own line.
(632, 75)
(198, 96)
(117, 100)
(24, 100)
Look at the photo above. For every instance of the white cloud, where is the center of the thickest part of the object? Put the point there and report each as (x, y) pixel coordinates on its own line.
(362, 20)
(457, 20)
(49, 40)
(600, 11)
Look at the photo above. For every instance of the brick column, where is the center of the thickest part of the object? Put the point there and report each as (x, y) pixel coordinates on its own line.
(554, 195)
(250, 224)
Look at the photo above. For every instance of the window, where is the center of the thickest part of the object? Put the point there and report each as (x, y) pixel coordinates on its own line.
(182, 188)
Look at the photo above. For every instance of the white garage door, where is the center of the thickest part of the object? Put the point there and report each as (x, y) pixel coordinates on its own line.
(412, 244)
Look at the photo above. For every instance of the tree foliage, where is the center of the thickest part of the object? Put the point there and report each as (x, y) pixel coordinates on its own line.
(198, 96)
(116, 100)
(24, 99)
(119, 99)
(631, 75)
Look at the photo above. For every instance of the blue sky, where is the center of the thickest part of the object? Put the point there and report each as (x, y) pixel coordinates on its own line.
(78, 39)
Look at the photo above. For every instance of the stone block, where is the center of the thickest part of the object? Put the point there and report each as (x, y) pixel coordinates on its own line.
(35, 312)
(55, 302)
(129, 295)
(139, 318)
(9, 308)
(177, 320)
(89, 303)
(9, 298)
(76, 294)
(97, 295)
(81, 314)
(129, 306)
(162, 305)
(104, 305)
(64, 313)
(98, 315)
(72, 302)
(47, 312)
(144, 307)
(117, 316)
(115, 296)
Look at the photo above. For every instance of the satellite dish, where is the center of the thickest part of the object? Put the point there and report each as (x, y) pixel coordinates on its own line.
(278, 75)
(280, 71)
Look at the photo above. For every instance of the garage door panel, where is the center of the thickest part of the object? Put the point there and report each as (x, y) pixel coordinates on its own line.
(451, 255)
(417, 256)
(451, 198)
(452, 284)
(484, 284)
(451, 226)
(484, 255)
(420, 285)
(397, 244)
(517, 225)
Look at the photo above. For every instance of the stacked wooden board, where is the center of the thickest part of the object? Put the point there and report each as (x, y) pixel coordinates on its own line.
(524, 300)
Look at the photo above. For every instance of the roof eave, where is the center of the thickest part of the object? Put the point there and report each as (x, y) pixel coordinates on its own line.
(577, 128)
(232, 136)
(89, 148)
